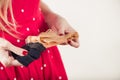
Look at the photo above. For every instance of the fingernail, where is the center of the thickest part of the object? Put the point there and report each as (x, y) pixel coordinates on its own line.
(66, 32)
(61, 34)
(24, 53)
(69, 42)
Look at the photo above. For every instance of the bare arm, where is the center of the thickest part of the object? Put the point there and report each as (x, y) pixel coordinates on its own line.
(49, 15)
(57, 23)
(45, 9)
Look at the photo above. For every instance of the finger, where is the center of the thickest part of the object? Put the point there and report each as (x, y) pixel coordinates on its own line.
(28, 40)
(74, 43)
(61, 31)
(11, 62)
(7, 62)
(19, 51)
(64, 44)
(16, 63)
(70, 29)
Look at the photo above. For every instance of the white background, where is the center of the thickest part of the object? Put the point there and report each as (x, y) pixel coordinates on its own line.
(98, 23)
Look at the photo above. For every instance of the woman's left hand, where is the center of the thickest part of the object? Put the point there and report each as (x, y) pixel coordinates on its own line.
(62, 27)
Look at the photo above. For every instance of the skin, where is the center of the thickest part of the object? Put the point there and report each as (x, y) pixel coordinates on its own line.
(58, 24)
(55, 22)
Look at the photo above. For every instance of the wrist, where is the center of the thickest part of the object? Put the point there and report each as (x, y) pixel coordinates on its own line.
(52, 18)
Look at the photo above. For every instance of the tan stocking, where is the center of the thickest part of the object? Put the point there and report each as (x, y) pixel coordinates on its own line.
(50, 38)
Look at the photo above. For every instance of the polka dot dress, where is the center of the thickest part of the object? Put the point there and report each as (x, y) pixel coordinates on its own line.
(31, 22)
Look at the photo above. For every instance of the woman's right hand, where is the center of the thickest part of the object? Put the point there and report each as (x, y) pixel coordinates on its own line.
(5, 58)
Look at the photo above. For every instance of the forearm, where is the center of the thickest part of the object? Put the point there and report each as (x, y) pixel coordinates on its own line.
(49, 15)
(45, 9)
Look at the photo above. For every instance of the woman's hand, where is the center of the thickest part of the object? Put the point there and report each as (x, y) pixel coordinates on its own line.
(58, 23)
(62, 27)
(5, 58)
(6, 45)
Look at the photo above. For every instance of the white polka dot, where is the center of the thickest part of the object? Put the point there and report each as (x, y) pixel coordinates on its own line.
(38, 30)
(48, 51)
(32, 79)
(1, 68)
(33, 19)
(44, 65)
(15, 78)
(22, 10)
(41, 68)
(60, 77)
(18, 40)
(28, 29)
(22, 66)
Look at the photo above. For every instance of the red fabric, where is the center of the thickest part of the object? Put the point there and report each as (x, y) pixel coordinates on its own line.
(31, 22)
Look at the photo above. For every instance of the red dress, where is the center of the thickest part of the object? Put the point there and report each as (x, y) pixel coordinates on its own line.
(49, 66)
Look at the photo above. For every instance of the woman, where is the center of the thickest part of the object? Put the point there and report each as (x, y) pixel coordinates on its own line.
(19, 19)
